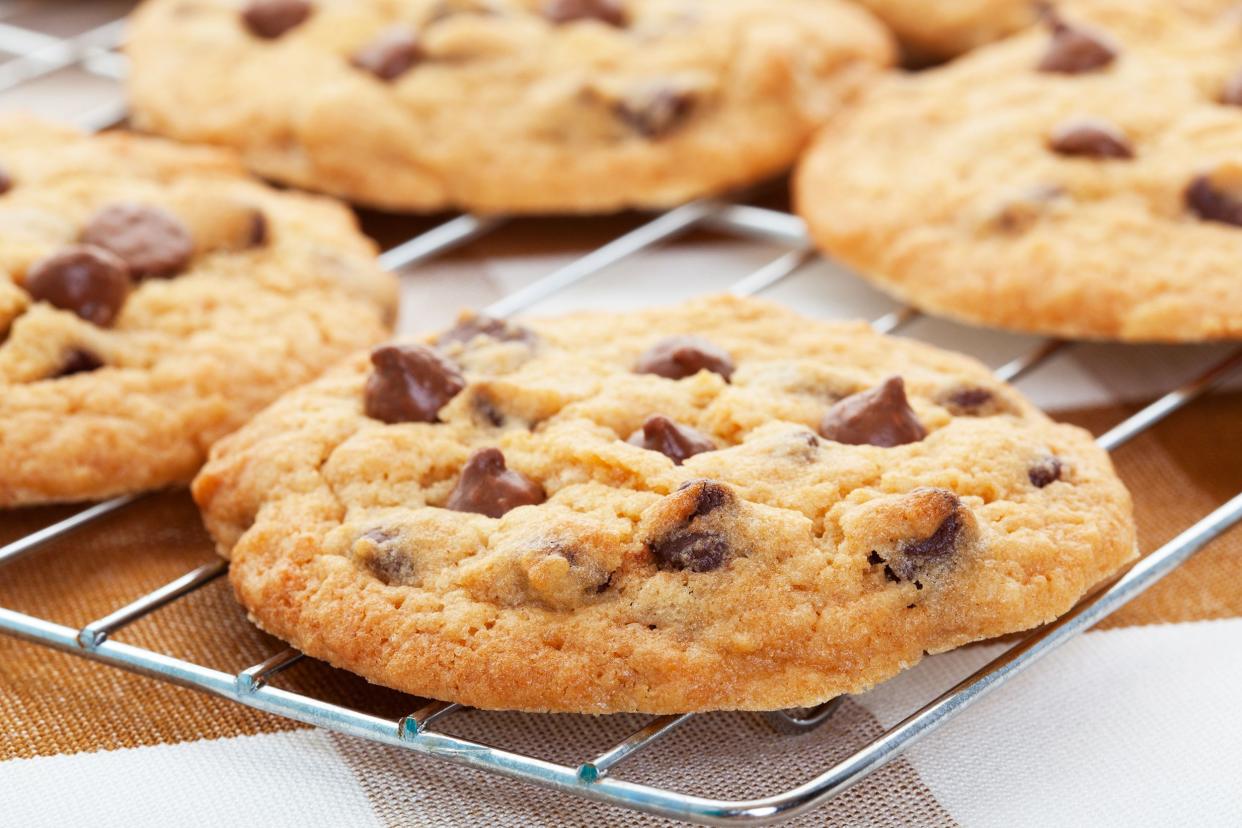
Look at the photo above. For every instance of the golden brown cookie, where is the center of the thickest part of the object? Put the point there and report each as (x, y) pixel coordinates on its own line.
(1082, 179)
(152, 298)
(503, 105)
(719, 505)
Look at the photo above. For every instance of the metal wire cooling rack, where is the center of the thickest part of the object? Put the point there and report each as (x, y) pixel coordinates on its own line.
(594, 778)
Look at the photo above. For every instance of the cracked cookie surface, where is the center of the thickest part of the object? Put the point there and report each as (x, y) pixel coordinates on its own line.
(719, 505)
(1083, 179)
(503, 105)
(152, 298)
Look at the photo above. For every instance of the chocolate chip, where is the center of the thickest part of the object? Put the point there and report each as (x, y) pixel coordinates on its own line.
(677, 357)
(874, 558)
(258, 229)
(499, 329)
(1231, 95)
(90, 281)
(611, 12)
(1091, 138)
(969, 399)
(915, 556)
(1076, 50)
(657, 112)
(673, 440)
(708, 497)
(6, 181)
(1212, 204)
(696, 551)
(486, 407)
(487, 487)
(390, 55)
(410, 383)
(269, 19)
(79, 361)
(151, 240)
(880, 416)
(381, 552)
(1046, 471)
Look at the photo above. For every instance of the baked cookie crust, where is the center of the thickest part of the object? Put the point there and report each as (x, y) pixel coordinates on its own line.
(1080, 179)
(504, 106)
(152, 298)
(764, 512)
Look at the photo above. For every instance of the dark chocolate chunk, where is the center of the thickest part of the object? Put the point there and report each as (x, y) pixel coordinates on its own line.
(79, 361)
(410, 383)
(151, 240)
(696, 551)
(1046, 471)
(269, 19)
(1075, 50)
(487, 487)
(390, 55)
(671, 439)
(611, 12)
(88, 280)
(6, 181)
(656, 112)
(880, 416)
(499, 329)
(1090, 138)
(677, 357)
(874, 558)
(1211, 203)
(915, 556)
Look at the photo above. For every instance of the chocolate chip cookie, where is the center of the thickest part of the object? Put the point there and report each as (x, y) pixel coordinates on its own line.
(932, 31)
(716, 505)
(152, 298)
(1083, 179)
(503, 105)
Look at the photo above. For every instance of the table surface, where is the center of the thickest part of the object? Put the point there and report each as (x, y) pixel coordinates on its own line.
(1136, 723)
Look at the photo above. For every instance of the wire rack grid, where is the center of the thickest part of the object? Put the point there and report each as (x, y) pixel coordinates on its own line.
(594, 778)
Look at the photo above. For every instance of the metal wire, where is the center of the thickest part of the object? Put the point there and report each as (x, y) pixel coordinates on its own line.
(41, 55)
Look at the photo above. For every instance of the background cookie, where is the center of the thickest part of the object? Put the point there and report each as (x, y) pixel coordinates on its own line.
(503, 106)
(940, 30)
(1082, 179)
(717, 505)
(152, 298)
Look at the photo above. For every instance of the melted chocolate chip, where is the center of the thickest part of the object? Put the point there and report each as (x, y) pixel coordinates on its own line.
(151, 240)
(1046, 471)
(499, 329)
(410, 383)
(390, 55)
(880, 416)
(1076, 50)
(696, 551)
(677, 357)
(269, 19)
(79, 361)
(6, 181)
(87, 280)
(915, 556)
(1212, 204)
(1090, 138)
(673, 440)
(656, 112)
(611, 12)
(487, 487)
